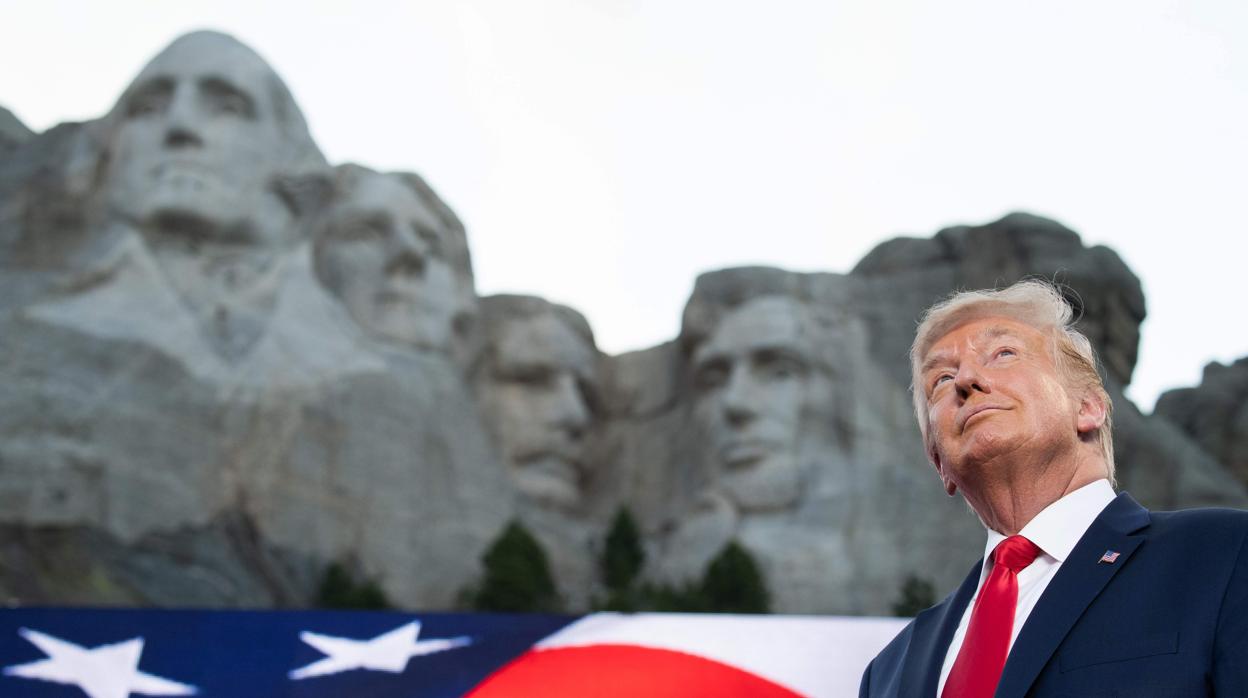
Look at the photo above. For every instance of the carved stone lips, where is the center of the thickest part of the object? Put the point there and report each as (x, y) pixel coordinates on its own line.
(184, 174)
(743, 452)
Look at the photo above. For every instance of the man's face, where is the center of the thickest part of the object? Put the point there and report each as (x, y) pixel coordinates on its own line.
(994, 397)
(540, 402)
(753, 382)
(383, 254)
(197, 143)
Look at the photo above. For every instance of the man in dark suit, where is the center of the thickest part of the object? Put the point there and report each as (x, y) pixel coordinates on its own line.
(1081, 592)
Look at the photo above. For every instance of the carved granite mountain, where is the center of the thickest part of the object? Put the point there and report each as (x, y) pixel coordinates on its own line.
(229, 365)
(1215, 414)
(174, 364)
(12, 132)
(1156, 462)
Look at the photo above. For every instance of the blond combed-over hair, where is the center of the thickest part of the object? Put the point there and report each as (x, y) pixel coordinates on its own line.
(1037, 304)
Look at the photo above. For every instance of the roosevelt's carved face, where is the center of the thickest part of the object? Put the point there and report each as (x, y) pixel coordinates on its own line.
(384, 254)
(539, 400)
(196, 144)
(756, 380)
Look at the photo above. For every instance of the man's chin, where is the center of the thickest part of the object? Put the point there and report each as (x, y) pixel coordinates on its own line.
(209, 212)
(548, 489)
(769, 483)
(550, 479)
(983, 448)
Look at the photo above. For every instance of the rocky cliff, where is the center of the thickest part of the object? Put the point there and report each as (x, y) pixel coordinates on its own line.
(230, 364)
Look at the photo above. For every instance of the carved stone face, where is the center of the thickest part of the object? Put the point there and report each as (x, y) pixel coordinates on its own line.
(196, 144)
(383, 253)
(539, 401)
(756, 381)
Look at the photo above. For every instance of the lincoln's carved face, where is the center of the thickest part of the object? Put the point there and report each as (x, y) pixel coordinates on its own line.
(756, 381)
(196, 144)
(539, 400)
(385, 255)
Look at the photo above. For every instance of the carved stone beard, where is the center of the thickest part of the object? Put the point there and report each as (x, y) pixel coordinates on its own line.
(224, 276)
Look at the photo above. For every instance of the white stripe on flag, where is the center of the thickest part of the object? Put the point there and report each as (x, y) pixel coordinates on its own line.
(817, 656)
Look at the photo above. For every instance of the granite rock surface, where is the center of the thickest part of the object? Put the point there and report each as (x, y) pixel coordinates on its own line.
(230, 364)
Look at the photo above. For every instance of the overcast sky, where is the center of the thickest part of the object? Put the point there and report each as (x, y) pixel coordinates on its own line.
(602, 153)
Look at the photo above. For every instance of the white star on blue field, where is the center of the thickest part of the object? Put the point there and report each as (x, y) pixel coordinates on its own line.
(389, 651)
(107, 671)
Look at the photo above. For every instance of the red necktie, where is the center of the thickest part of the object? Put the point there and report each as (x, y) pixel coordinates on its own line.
(978, 667)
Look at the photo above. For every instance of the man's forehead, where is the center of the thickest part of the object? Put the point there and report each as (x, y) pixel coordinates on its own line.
(765, 323)
(383, 192)
(977, 331)
(543, 340)
(201, 56)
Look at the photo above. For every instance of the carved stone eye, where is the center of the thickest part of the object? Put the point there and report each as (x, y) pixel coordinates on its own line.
(430, 237)
(223, 99)
(779, 365)
(711, 374)
(150, 100)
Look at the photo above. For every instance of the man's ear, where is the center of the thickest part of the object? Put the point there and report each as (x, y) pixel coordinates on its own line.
(1092, 411)
(934, 456)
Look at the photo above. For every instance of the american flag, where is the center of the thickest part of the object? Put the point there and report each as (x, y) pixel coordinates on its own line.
(114, 653)
(1109, 557)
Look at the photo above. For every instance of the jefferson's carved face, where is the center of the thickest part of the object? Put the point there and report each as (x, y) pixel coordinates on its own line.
(755, 378)
(539, 400)
(196, 143)
(384, 254)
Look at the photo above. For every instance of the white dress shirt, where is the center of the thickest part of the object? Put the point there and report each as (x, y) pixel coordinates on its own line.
(1055, 530)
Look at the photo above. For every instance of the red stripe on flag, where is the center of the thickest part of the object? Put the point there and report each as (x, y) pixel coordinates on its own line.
(622, 671)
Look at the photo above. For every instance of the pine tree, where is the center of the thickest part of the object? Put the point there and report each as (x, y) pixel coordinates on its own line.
(517, 575)
(733, 583)
(339, 589)
(622, 556)
(917, 594)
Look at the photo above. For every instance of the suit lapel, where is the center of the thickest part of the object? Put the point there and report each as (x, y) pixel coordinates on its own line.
(1079, 581)
(933, 630)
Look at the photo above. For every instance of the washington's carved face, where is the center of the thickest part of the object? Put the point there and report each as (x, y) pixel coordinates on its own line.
(755, 377)
(383, 253)
(539, 398)
(197, 143)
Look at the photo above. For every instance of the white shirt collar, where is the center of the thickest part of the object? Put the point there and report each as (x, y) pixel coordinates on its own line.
(1060, 525)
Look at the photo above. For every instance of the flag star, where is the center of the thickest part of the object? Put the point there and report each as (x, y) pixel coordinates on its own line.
(107, 671)
(386, 652)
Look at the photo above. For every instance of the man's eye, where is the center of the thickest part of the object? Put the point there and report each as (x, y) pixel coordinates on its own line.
(432, 240)
(1006, 351)
(711, 375)
(941, 379)
(147, 105)
(232, 104)
(533, 376)
(782, 368)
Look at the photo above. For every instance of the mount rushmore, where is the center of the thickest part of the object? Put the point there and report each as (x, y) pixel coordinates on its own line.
(229, 364)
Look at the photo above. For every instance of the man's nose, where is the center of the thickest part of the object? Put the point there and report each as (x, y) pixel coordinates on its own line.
(183, 128)
(739, 398)
(970, 379)
(569, 413)
(407, 253)
(408, 263)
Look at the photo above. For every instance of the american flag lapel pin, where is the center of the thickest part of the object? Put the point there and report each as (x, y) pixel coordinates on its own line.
(1109, 558)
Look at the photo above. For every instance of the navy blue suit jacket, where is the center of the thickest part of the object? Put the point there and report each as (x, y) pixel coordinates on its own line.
(1168, 618)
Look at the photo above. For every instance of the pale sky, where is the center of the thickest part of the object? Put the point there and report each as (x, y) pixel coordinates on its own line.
(602, 153)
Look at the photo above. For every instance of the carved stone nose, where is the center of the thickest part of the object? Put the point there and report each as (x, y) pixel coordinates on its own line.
(180, 137)
(408, 263)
